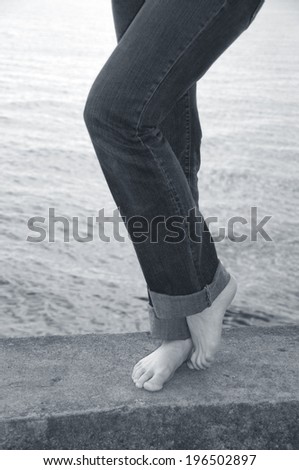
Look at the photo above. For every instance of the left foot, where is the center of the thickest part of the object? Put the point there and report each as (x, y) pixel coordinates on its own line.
(158, 367)
(206, 327)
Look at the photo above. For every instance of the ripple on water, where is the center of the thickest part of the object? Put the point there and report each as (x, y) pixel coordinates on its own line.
(249, 158)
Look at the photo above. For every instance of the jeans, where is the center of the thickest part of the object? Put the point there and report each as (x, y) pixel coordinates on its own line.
(142, 118)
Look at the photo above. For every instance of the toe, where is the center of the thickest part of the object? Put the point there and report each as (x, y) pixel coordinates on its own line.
(137, 365)
(190, 365)
(205, 363)
(155, 383)
(196, 360)
(137, 368)
(144, 377)
(152, 386)
(138, 373)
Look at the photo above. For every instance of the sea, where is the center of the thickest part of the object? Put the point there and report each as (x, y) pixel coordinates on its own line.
(248, 103)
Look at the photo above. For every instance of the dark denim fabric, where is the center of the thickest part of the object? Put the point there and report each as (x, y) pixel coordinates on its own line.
(142, 117)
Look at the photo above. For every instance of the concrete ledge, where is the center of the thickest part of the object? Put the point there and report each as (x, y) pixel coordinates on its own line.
(75, 392)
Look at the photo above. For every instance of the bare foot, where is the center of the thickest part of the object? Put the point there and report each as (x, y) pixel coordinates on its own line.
(206, 327)
(154, 370)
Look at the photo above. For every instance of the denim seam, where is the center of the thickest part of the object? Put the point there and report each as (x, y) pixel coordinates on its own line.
(168, 70)
(187, 128)
(188, 170)
(175, 198)
(174, 194)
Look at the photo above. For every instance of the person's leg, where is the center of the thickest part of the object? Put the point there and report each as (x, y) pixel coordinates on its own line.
(166, 49)
(181, 128)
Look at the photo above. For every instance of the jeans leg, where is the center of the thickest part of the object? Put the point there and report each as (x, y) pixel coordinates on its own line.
(181, 127)
(166, 49)
(124, 13)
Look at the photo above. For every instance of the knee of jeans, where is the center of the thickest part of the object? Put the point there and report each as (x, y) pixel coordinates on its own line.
(92, 112)
(109, 118)
(87, 113)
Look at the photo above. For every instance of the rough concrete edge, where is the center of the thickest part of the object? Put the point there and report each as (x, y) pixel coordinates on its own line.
(262, 329)
(267, 425)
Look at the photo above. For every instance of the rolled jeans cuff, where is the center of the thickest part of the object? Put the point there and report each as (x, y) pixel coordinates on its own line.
(177, 328)
(176, 306)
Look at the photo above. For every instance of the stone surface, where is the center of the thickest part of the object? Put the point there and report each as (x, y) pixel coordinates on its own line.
(76, 392)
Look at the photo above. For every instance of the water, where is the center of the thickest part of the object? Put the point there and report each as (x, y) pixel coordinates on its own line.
(248, 104)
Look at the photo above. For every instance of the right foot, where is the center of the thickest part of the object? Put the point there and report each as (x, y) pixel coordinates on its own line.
(206, 328)
(154, 370)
